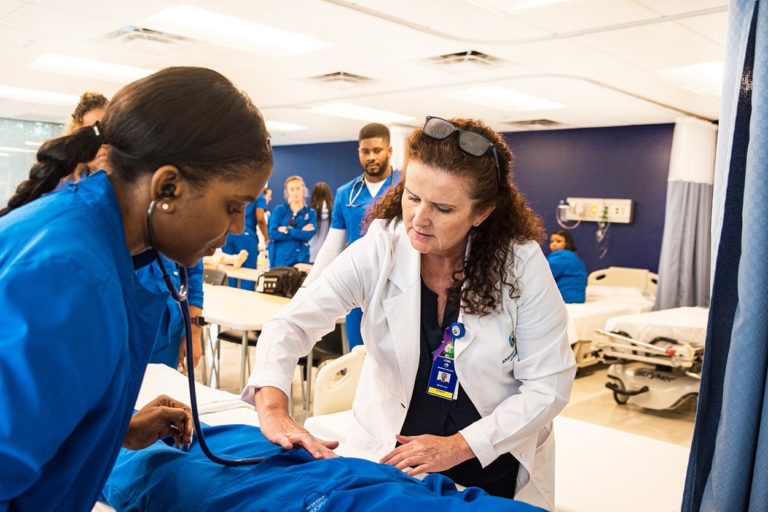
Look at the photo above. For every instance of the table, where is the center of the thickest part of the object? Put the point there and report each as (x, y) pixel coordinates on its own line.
(241, 273)
(247, 311)
(240, 309)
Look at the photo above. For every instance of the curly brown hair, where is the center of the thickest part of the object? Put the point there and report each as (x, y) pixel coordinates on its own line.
(488, 264)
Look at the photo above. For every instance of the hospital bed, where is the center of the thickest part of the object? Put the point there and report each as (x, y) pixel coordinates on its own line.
(221, 408)
(610, 292)
(655, 358)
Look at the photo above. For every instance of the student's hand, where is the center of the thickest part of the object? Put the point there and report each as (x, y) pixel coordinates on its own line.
(160, 418)
(283, 229)
(308, 227)
(282, 430)
(428, 453)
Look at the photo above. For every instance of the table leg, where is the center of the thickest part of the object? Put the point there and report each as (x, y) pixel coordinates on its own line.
(243, 356)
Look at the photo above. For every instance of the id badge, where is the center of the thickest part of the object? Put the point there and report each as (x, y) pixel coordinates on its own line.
(443, 381)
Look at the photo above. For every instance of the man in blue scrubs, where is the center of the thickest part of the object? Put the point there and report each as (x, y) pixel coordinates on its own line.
(351, 204)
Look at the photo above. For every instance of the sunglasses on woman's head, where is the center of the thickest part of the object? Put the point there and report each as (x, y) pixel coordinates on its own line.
(469, 142)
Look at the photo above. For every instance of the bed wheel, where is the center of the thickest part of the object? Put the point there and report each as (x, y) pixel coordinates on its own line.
(620, 393)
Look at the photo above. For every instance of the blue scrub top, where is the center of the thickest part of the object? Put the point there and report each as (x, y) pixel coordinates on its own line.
(77, 331)
(570, 275)
(352, 202)
(166, 350)
(248, 239)
(287, 249)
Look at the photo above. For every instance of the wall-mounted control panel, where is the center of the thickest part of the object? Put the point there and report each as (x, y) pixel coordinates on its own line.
(588, 209)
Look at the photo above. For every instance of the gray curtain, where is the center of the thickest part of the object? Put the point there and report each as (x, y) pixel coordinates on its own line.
(685, 248)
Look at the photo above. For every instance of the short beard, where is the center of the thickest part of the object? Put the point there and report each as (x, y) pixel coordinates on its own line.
(381, 170)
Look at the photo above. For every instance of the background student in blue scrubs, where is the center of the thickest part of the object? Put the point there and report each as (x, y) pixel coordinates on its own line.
(291, 226)
(255, 219)
(568, 269)
(351, 205)
(192, 145)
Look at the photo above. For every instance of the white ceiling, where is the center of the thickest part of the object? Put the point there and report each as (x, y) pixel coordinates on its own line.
(600, 59)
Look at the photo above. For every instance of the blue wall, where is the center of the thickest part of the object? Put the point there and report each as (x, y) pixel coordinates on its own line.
(335, 163)
(628, 162)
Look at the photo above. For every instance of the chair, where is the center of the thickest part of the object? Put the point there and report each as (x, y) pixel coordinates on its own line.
(214, 277)
(328, 348)
(217, 277)
(336, 383)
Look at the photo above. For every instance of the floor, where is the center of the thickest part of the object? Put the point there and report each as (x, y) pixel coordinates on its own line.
(620, 442)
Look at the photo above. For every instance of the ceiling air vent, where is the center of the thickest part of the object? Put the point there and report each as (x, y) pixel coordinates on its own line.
(471, 57)
(534, 123)
(342, 79)
(148, 38)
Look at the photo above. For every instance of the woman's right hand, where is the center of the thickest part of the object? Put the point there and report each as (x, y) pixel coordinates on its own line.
(281, 429)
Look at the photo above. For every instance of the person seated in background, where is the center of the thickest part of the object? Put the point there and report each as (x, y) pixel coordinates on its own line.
(291, 226)
(161, 478)
(567, 268)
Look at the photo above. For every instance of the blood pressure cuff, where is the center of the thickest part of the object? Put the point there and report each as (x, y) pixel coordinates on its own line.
(162, 478)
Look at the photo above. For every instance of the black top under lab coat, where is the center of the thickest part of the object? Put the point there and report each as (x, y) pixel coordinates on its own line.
(429, 414)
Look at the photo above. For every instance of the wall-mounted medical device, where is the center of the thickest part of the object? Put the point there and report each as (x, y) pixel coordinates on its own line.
(618, 211)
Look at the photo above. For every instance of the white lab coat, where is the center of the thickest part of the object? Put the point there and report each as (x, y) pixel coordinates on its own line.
(517, 367)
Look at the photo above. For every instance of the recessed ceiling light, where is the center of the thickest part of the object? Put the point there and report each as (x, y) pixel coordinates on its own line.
(359, 113)
(17, 150)
(279, 126)
(705, 77)
(231, 32)
(35, 143)
(37, 96)
(4, 154)
(92, 68)
(502, 98)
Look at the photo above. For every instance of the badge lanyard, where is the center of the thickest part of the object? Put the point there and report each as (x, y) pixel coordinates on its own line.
(443, 381)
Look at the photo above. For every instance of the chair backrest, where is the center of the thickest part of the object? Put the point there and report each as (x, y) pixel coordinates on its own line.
(336, 382)
(214, 277)
(643, 279)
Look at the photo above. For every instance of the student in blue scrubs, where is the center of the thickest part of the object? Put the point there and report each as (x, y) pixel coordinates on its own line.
(78, 328)
(291, 226)
(351, 204)
(569, 271)
(254, 219)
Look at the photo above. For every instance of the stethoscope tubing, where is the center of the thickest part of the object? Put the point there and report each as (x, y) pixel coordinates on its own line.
(180, 296)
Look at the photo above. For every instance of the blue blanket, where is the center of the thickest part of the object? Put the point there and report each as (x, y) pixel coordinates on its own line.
(163, 478)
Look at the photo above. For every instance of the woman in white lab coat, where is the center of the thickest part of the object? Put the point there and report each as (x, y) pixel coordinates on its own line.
(451, 280)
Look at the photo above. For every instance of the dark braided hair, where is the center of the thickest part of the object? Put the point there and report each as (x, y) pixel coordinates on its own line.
(55, 159)
(486, 269)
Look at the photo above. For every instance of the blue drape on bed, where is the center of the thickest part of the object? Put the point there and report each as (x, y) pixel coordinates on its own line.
(728, 466)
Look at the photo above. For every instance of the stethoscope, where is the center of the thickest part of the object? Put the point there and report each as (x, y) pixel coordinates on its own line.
(180, 296)
(356, 191)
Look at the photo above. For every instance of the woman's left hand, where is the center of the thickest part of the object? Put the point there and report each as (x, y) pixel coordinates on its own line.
(428, 453)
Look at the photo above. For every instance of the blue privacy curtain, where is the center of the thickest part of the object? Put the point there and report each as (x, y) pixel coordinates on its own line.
(684, 262)
(728, 466)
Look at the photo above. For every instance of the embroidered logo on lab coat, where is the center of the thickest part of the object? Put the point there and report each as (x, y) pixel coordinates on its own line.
(513, 345)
